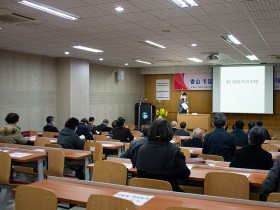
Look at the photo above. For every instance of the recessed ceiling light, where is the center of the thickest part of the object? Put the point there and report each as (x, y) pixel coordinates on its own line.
(233, 39)
(185, 3)
(49, 9)
(252, 57)
(194, 45)
(87, 49)
(139, 61)
(66, 53)
(195, 60)
(155, 44)
(119, 9)
(0, 28)
(101, 59)
(126, 64)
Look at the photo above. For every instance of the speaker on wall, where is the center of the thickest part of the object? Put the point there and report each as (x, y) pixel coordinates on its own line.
(120, 75)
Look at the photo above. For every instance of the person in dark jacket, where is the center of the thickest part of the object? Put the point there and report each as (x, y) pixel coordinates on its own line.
(253, 156)
(68, 139)
(196, 140)
(251, 124)
(50, 125)
(182, 131)
(121, 133)
(240, 137)
(90, 125)
(82, 129)
(260, 124)
(103, 127)
(272, 181)
(160, 159)
(219, 142)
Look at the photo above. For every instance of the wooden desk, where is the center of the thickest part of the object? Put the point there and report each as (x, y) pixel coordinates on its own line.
(31, 140)
(77, 192)
(34, 156)
(195, 121)
(112, 145)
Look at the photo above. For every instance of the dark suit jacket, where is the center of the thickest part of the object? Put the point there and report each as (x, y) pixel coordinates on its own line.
(194, 142)
(240, 137)
(219, 142)
(82, 129)
(123, 134)
(253, 157)
(181, 132)
(103, 127)
(50, 128)
(272, 181)
(68, 139)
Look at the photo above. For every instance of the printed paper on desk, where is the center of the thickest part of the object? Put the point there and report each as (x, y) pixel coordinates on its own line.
(128, 165)
(172, 141)
(53, 140)
(190, 166)
(137, 199)
(19, 154)
(39, 150)
(32, 138)
(106, 145)
(245, 174)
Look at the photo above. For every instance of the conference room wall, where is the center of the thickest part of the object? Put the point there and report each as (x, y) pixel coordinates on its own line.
(201, 101)
(110, 98)
(27, 87)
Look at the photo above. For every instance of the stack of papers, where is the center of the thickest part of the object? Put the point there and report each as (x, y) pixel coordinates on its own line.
(127, 165)
(19, 154)
(137, 199)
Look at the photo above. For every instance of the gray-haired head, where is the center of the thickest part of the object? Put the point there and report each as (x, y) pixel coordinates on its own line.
(198, 133)
(257, 135)
(219, 120)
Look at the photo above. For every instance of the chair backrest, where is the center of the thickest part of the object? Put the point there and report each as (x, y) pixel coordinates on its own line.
(33, 133)
(181, 208)
(274, 142)
(48, 134)
(131, 127)
(271, 133)
(126, 146)
(55, 163)
(137, 134)
(178, 138)
(100, 137)
(5, 166)
(211, 157)
(109, 172)
(42, 141)
(34, 198)
(106, 202)
(96, 148)
(150, 183)
(104, 133)
(186, 152)
(226, 184)
(53, 145)
(274, 197)
(270, 147)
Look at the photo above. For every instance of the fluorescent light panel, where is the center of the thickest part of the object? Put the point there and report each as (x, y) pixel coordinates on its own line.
(252, 57)
(49, 9)
(233, 39)
(139, 61)
(195, 60)
(155, 44)
(119, 9)
(87, 49)
(185, 3)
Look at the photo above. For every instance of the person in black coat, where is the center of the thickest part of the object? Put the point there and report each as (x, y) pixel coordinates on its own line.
(103, 127)
(121, 133)
(68, 139)
(160, 159)
(196, 140)
(253, 156)
(219, 142)
(260, 124)
(182, 131)
(50, 125)
(240, 137)
(82, 129)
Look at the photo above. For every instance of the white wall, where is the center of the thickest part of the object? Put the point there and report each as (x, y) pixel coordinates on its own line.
(27, 87)
(111, 99)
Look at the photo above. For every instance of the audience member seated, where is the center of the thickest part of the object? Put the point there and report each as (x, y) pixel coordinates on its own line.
(240, 137)
(182, 131)
(131, 152)
(50, 125)
(219, 142)
(11, 131)
(121, 133)
(174, 126)
(68, 139)
(90, 124)
(272, 181)
(103, 127)
(83, 130)
(196, 140)
(251, 124)
(160, 159)
(114, 124)
(260, 124)
(253, 156)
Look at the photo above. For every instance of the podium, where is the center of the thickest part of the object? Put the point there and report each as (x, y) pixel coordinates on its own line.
(144, 114)
(195, 120)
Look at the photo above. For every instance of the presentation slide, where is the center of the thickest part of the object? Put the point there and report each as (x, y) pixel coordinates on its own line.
(243, 89)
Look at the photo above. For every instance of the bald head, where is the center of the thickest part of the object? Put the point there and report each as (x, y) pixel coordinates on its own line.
(198, 133)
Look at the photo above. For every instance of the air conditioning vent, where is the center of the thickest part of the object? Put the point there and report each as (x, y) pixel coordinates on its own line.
(8, 17)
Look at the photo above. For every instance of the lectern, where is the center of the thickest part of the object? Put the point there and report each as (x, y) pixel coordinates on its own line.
(144, 114)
